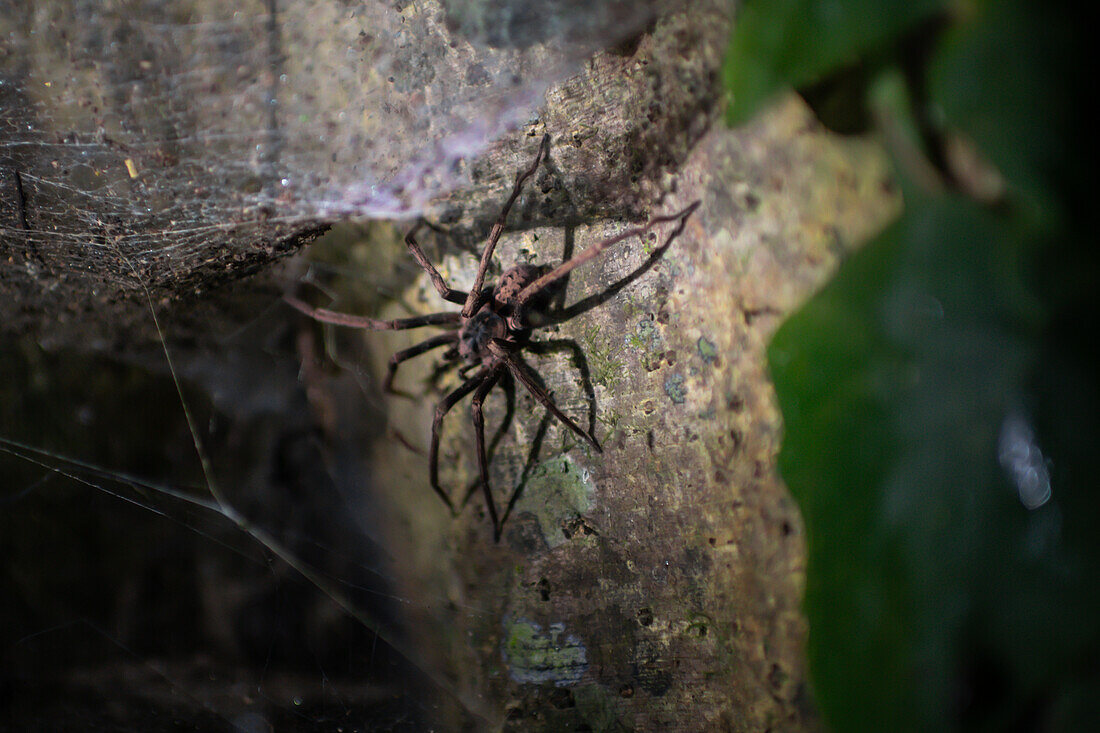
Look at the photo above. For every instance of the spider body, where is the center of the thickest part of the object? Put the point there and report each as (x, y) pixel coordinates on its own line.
(477, 331)
(500, 315)
(513, 281)
(494, 326)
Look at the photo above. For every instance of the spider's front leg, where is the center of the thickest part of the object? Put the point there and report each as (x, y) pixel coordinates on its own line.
(531, 291)
(494, 235)
(445, 291)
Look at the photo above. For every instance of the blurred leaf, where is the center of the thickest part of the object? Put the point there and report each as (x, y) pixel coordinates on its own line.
(940, 395)
(790, 43)
(890, 101)
(936, 598)
(1002, 75)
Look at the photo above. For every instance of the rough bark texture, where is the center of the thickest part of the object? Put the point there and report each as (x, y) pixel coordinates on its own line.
(178, 147)
(654, 586)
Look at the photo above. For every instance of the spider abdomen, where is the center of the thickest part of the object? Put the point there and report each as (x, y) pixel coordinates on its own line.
(512, 281)
(506, 295)
(494, 327)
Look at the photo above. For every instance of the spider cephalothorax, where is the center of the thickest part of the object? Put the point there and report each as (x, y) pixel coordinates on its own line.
(494, 326)
(477, 331)
(498, 315)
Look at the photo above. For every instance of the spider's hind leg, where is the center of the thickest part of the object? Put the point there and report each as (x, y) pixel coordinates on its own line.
(508, 387)
(482, 458)
(523, 374)
(441, 410)
(548, 346)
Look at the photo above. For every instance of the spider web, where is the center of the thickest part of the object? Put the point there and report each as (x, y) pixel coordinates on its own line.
(166, 143)
(142, 142)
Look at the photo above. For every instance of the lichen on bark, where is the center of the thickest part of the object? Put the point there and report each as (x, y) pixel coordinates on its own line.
(682, 577)
(674, 558)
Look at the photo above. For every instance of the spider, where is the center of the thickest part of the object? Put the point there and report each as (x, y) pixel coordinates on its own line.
(493, 328)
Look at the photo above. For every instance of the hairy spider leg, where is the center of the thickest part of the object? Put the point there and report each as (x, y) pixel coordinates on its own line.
(442, 409)
(372, 324)
(433, 343)
(597, 299)
(521, 372)
(548, 346)
(473, 299)
(569, 265)
(479, 432)
(445, 291)
(508, 387)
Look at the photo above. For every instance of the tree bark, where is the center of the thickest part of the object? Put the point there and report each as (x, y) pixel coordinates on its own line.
(655, 586)
(153, 150)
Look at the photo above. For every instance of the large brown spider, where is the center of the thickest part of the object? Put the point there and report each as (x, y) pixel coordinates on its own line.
(494, 326)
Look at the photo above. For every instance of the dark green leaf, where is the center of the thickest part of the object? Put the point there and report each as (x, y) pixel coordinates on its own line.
(937, 598)
(1003, 76)
(789, 43)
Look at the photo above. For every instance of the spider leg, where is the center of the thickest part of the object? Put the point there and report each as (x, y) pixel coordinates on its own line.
(442, 409)
(558, 298)
(479, 432)
(472, 300)
(569, 265)
(522, 373)
(447, 361)
(445, 291)
(508, 386)
(597, 299)
(550, 345)
(433, 343)
(371, 324)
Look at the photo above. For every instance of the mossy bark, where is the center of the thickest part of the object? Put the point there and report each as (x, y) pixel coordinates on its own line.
(655, 586)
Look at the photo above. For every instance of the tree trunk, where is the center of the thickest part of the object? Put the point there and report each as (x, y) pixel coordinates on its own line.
(653, 586)
(169, 148)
